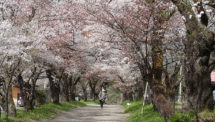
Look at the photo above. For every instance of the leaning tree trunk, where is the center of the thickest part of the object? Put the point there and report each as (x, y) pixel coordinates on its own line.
(199, 60)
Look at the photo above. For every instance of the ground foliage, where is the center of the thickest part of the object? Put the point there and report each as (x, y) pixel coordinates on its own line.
(44, 112)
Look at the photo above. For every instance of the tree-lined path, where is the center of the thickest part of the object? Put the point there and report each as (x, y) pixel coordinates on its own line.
(93, 113)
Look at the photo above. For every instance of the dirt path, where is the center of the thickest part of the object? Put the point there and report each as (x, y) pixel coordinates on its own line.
(93, 113)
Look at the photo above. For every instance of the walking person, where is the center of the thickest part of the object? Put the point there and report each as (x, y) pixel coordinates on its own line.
(102, 97)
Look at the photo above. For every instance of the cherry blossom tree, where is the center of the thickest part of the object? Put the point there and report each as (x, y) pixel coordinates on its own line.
(199, 53)
(141, 28)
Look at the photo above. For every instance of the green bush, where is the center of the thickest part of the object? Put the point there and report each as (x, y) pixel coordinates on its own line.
(41, 94)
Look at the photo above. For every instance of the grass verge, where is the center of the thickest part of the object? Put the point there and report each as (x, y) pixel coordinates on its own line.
(149, 115)
(44, 112)
(136, 114)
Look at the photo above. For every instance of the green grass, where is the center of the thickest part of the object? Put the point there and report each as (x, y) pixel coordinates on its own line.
(180, 117)
(149, 115)
(136, 114)
(44, 112)
(191, 116)
(90, 101)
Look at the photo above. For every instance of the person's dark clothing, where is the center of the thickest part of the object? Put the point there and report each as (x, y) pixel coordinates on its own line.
(101, 98)
(101, 103)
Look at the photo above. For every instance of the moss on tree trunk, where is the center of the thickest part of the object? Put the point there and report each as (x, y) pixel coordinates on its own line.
(199, 60)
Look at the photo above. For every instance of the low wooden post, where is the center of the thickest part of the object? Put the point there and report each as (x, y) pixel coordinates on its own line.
(144, 99)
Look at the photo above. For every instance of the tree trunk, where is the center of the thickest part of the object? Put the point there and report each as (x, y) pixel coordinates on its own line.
(6, 98)
(55, 96)
(171, 82)
(64, 89)
(84, 85)
(93, 94)
(55, 92)
(11, 105)
(54, 88)
(159, 95)
(124, 97)
(48, 95)
(72, 93)
(85, 95)
(73, 81)
(140, 92)
(198, 94)
(27, 89)
(93, 82)
(28, 106)
(199, 60)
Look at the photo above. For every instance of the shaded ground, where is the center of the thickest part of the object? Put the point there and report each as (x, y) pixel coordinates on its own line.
(93, 113)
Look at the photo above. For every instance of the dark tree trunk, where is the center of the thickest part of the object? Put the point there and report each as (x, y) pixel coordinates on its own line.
(124, 97)
(159, 94)
(27, 90)
(198, 95)
(64, 89)
(127, 96)
(171, 82)
(84, 85)
(199, 60)
(55, 92)
(25, 93)
(197, 69)
(28, 106)
(73, 81)
(93, 82)
(85, 95)
(72, 93)
(93, 93)
(138, 90)
(54, 88)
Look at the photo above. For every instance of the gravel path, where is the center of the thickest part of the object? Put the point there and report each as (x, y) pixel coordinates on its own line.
(93, 113)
